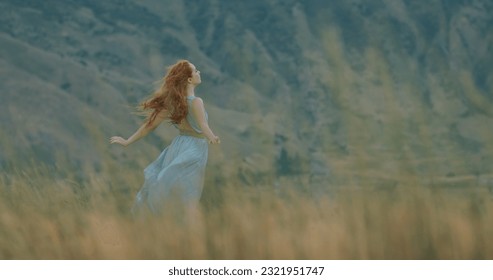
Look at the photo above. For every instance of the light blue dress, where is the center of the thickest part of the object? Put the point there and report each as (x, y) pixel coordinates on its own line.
(178, 172)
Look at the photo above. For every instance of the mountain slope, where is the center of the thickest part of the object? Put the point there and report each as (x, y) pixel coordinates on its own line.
(301, 92)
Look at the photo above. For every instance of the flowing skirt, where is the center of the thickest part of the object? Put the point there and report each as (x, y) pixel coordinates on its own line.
(177, 174)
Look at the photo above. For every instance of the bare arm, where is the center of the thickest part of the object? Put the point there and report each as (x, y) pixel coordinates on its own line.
(143, 130)
(198, 112)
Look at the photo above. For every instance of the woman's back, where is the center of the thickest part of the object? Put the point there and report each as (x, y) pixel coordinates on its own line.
(190, 118)
(190, 124)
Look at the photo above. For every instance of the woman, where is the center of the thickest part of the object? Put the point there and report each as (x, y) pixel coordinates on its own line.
(179, 169)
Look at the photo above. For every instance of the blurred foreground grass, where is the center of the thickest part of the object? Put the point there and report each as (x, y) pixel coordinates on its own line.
(45, 218)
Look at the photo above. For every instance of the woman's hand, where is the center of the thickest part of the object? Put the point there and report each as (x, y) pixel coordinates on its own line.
(118, 140)
(215, 140)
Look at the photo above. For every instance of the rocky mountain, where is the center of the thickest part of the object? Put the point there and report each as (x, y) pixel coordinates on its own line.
(307, 93)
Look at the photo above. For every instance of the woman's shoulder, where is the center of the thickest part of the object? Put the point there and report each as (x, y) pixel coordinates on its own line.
(195, 100)
(193, 97)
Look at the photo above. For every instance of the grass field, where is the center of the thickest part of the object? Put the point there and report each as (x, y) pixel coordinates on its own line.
(42, 217)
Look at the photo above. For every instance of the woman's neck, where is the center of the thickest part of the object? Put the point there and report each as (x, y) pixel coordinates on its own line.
(190, 90)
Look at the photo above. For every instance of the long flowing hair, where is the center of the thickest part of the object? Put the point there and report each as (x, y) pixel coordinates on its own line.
(170, 96)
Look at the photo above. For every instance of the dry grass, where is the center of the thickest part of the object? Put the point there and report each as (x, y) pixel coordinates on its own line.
(45, 218)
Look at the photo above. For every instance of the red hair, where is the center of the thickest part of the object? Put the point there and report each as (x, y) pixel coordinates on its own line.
(171, 96)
